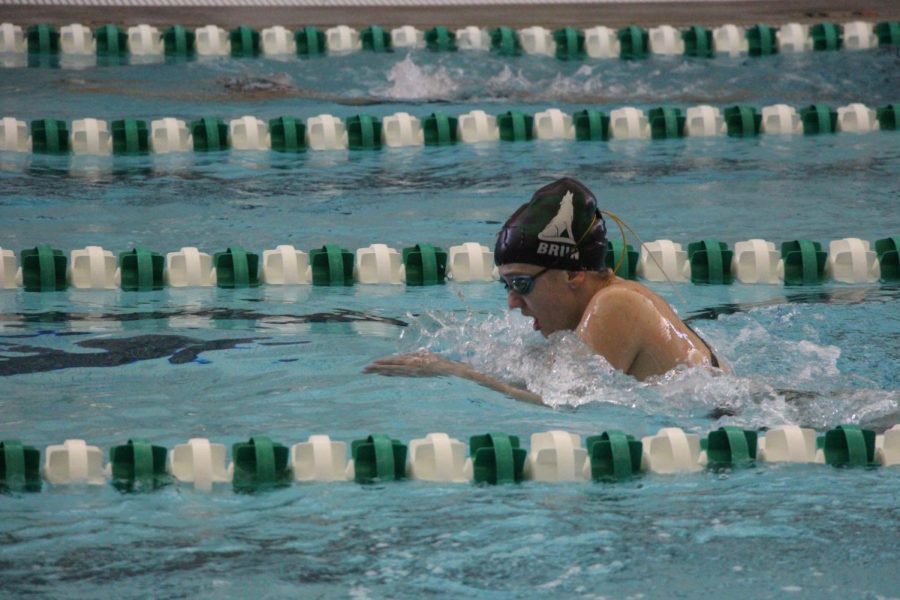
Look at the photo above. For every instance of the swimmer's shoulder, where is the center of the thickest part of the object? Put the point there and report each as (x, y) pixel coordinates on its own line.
(628, 301)
(622, 294)
(619, 304)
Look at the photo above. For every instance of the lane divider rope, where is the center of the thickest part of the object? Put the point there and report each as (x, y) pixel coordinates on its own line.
(708, 261)
(292, 135)
(145, 43)
(493, 458)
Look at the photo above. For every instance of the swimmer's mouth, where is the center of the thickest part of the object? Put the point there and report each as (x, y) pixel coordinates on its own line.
(536, 324)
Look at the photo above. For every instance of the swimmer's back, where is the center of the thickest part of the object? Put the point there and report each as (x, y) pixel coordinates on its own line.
(650, 338)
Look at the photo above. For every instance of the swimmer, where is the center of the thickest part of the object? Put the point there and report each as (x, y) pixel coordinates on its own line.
(551, 254)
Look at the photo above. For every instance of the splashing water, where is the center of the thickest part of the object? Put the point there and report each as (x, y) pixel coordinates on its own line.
(408, 81)
(777, 382)
(561, 369)
(506, 81)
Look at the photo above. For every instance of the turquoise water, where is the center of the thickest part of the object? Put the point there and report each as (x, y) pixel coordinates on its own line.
(287, 362)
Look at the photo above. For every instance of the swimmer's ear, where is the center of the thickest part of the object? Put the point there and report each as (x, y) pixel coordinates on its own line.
(575, 278)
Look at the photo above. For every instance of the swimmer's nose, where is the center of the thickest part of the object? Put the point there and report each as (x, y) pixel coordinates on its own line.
(513, 300)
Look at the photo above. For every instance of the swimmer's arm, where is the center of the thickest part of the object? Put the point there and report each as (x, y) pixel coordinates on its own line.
(427, 364)
(491, 383)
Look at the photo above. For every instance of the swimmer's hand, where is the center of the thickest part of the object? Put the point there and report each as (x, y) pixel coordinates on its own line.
(417, 364)
(428, 364)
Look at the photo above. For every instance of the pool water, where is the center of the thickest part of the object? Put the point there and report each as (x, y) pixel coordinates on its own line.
(287, 361)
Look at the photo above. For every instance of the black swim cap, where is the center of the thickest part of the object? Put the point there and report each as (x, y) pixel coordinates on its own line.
(560, 227)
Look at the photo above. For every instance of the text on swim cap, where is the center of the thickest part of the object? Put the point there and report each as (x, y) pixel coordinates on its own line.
(559, 250)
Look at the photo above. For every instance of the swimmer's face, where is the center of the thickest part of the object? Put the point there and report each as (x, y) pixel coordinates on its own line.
(546, 301)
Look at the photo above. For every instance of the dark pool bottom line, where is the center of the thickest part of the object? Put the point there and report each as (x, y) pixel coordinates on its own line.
(213, 314)
(115, 352)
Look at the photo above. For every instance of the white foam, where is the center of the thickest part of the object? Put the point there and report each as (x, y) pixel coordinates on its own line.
(776, 381)
(507, 81)
(409, 81)
(561, 369)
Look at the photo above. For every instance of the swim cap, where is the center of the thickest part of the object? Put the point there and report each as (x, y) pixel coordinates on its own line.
(560, 227)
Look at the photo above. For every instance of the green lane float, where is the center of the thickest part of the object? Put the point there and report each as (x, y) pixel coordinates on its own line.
(497, 458)
(591, 125)
(614, 456)
(378, 458)
(698, 42)
(130, 137)
(141, 270)
(287, 134)
(179, 42)
(364, 132)
(20, 467)
(666, 123)
(425, 265)
(888, 33)
(376, 39)
(138, 466)
(634, 42)
(888, 117)
(42, 39)
(731, 447)
(505, 42)
(515, 126)
(818, 118)
(625, 258)
(849, 446)
(742, 121)
(710, 262)
(827, 36)
(49, 136)
(440, 39)
(260, 464)
(244, 42)
(236, 268)
(804, 262)
(43, 269)
(440, 129)
(569, 43)
(210, 135)
(112, 42)
(761, 40)
(310, 41)
(331, 265)
(888, 252)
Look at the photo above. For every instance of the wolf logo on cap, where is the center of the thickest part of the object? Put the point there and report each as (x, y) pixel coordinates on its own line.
(559, 229)
(561, 223)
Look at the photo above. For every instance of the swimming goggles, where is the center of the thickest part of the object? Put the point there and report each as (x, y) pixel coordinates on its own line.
(522, 284)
